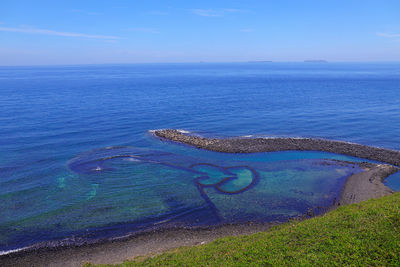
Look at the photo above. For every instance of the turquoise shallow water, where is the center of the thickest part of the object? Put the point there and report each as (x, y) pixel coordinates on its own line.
(111, 191)
(77, 161)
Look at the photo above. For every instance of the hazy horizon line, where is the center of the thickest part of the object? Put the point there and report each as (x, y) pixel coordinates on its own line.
(309, 61)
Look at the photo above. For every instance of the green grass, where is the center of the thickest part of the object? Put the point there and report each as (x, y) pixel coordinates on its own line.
(365, 234)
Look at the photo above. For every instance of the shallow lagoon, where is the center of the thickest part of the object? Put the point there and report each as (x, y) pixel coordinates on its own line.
(113, 191)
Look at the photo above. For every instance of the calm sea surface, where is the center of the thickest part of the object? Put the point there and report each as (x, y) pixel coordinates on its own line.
(77, 161)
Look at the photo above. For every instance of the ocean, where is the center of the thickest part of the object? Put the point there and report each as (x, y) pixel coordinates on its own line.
(78, 161)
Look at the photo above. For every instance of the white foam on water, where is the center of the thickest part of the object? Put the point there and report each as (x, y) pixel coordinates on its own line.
(183, 131)
(132, 159)
(285, 137)
(163, 221)
(5, 252)
(153, 131)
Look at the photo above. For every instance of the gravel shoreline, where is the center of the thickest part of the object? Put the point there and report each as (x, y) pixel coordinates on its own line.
(117, 251)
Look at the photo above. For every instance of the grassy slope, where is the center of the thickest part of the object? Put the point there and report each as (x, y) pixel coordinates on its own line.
(360, 234)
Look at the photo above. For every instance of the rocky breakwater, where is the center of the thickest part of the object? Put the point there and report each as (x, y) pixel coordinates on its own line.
(253, 145)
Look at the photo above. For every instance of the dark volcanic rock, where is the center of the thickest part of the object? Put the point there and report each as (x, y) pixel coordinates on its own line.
(252, 145)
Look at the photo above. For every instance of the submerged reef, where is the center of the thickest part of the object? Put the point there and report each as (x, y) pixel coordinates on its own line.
(180, 199)
(358, 187)
(223, 179)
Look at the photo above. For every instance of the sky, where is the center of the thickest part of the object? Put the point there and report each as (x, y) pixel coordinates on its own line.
(39, 32)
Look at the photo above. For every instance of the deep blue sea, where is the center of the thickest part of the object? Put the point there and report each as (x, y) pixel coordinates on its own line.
(77, 160)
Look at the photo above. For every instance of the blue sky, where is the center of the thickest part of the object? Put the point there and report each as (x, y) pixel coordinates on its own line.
(94, 31)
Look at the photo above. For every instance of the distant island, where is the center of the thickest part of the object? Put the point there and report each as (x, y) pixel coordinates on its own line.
(260, 61)
(316, 61)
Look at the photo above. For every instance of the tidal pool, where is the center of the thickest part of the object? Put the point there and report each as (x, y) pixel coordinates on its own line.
(393, 181)
(113, 191)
